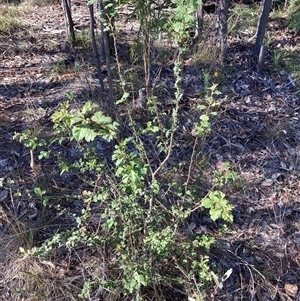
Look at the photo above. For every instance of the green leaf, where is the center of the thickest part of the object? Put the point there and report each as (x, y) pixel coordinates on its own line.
(88, 107)
(154, 129)
(204, 117)
(206, 203)
(100, 118)
(38, 191)
(202, 107)
(215, 214)
(44, 154)
(178, 26)
(81, 132)
(76, 119)
(123, 99)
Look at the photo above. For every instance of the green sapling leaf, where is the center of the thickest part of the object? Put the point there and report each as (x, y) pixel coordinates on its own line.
(99, 118)
(88, 107)
(82, 132)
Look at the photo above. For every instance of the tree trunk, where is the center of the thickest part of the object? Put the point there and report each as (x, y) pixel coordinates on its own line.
(109, 24)
(261, 59)
(261, 28)
(222, 27)
(105, 40)
(70, 33)
(199, 21)
(95, 48)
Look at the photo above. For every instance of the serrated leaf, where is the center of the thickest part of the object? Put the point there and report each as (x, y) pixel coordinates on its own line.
(227, 216)
(56, 116)
(215, 214)
(99, 118)
(76, 119)
(123, 99)
(206, 203)
(154, 129)
(82, 132)
(204, 117)
(178, 26)
(88, 107)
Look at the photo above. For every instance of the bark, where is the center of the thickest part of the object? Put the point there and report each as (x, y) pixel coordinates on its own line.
(222, 27)
(95, 48)
(105, 40)
(70, 32)
(286, 2)
(199, 21)
(261, 28)
(110, 20)
(261, 59)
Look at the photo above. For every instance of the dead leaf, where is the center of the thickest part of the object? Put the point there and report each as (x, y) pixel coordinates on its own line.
(3, 195)
(3, 163)
(291, 289)
(201, 229)
(277, 86)
(273, 198)
(258, 294)
(190, 228)
(277, 176)
(267, 183)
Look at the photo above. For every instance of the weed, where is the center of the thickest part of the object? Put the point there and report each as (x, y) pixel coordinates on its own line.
(287, 60)
(218, 206)
(43, 2)
(224, 174)
(293, 19)
(243, 19)
(204, 56)
(278, 62)
(59, 67)
(268, 39)
(140, 223)
(133, 211)
(9, 18)
(83, 39)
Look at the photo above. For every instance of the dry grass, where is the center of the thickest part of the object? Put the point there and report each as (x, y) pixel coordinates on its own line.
(33, 278)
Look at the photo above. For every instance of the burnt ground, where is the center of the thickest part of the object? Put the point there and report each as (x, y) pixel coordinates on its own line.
(257, 131)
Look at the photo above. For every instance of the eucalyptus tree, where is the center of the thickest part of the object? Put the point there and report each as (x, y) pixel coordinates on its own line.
(261, 27)
(222, 27)
(95, 47)
(70, 32)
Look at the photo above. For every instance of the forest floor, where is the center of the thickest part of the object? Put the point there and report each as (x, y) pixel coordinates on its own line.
(257, 131)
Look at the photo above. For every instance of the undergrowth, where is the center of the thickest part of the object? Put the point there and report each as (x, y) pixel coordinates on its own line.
(133, 212)
(135, 218)
(293, 18)
(9, 18)
(141, 224)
